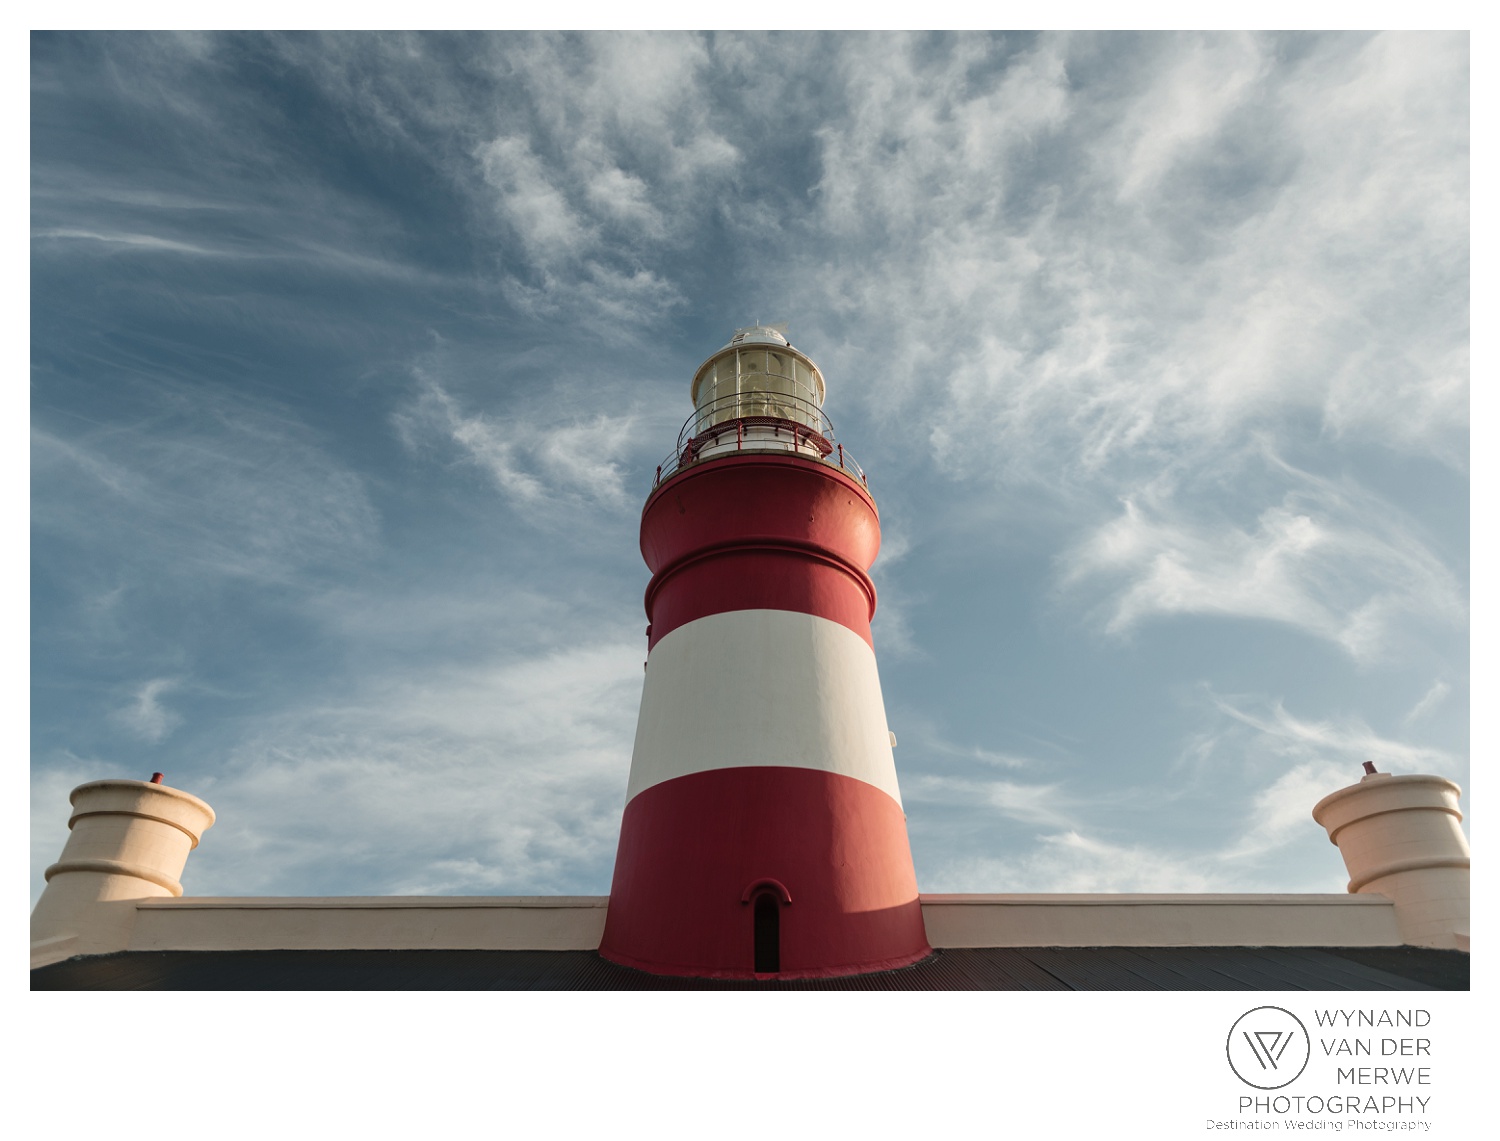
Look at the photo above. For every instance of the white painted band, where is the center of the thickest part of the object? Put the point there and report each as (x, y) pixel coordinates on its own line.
(753, 688)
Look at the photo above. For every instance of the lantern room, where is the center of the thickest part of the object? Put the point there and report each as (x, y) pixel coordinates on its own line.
(757, 394)
(758, 374)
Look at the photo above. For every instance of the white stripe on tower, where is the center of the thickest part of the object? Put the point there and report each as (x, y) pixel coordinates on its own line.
(762, 687)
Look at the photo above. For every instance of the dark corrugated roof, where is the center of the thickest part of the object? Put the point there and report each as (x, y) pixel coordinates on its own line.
(991, 968)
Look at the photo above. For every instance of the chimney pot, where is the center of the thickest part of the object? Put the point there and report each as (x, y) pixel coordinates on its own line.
(1400, 838)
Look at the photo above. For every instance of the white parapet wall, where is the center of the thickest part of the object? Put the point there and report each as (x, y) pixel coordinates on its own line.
(567, 923)
(377, 923)
(576, 923)
(1160, 921)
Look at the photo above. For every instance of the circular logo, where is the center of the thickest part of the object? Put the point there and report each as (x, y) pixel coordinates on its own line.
(1268, 1047)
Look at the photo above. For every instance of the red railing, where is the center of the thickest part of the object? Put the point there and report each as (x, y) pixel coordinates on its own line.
(793, 424)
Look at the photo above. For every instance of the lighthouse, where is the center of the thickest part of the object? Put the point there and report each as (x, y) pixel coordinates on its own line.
(763, 832)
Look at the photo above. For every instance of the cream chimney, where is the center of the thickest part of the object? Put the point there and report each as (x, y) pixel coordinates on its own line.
(129, 841)
(1399, 837)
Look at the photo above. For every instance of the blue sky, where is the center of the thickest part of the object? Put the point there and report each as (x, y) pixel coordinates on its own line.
(353, 356)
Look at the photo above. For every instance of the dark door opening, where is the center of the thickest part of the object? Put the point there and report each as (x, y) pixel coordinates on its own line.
(767, 933)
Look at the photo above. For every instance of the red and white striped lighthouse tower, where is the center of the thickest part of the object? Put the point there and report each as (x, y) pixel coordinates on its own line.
(763, 830)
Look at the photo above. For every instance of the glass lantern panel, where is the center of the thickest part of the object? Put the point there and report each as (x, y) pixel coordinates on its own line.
(753, 387)
(731, 382)
(808, 389)
(712, 387)
(723, 380)
(778, 388)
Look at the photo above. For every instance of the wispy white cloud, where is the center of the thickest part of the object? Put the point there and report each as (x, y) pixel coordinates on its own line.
(625, 198)
(1126, 252)
(206, 482)
(349, 255)
(602, 298)
(990, 757)
(921, 144)
(615, 166)
(1281, 811)
(507, 777)
(533, 464)
(1436, 694)
(628, 92)
(1279, 765)
(1037, 804)
(1335, 567)
(891, 626)
(1196, 90)
(140, 241)
(1347, 739)
(1254, 781)
(145, 716)
(532, 204)
(1072, 861)
(892, 631)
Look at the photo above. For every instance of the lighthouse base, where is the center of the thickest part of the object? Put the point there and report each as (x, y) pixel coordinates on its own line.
(766, 976)
(730, 870)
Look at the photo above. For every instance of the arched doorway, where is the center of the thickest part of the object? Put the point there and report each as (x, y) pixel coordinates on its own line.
(767, 933)
(766, 898)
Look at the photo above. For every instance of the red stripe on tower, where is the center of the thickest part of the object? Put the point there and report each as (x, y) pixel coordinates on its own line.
(763, 832)
(757, 531)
